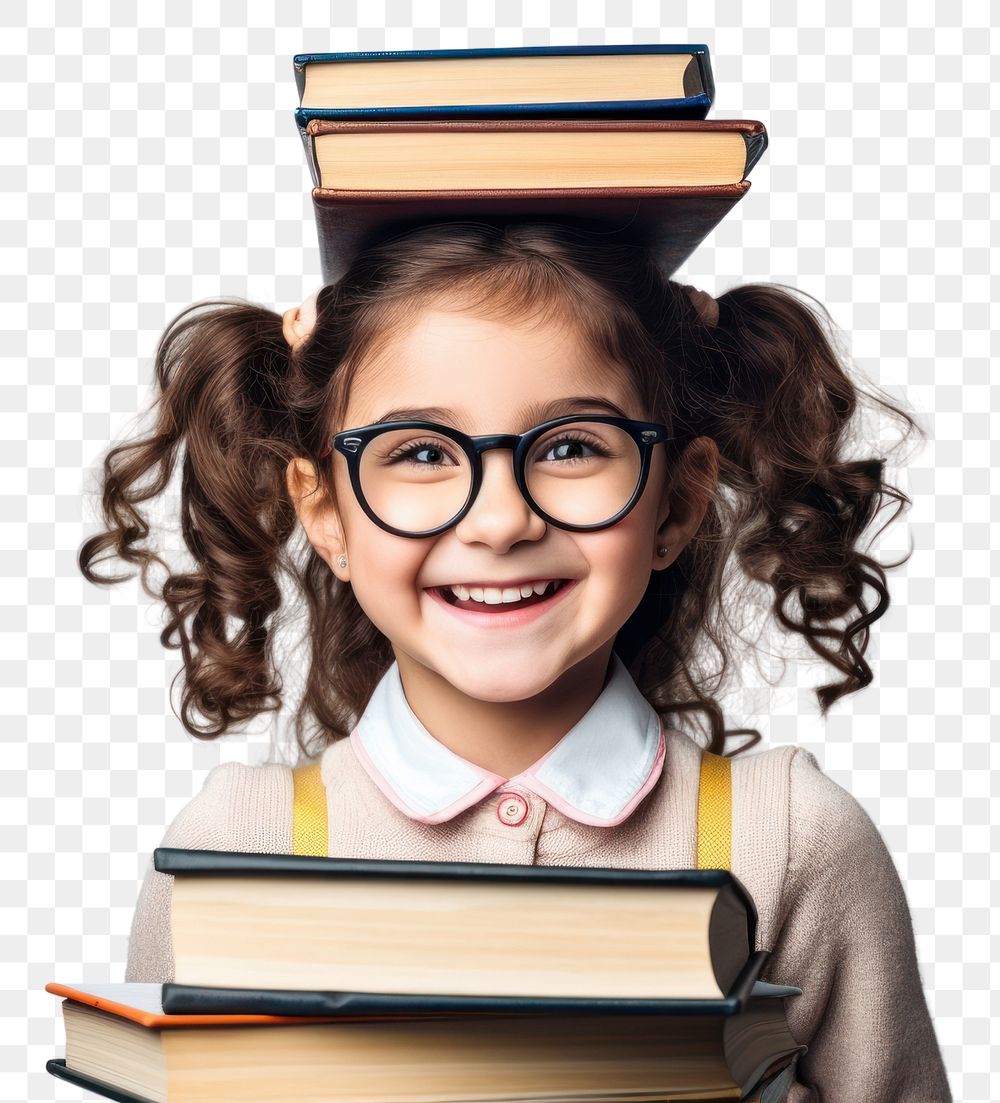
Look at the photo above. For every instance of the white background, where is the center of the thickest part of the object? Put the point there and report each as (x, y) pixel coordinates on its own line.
(149, 165)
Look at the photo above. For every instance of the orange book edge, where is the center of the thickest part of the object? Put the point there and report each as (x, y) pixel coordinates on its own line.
(148, 1018)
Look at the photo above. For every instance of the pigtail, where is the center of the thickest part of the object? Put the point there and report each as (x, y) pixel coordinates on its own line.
(220, 369)
(770, 387)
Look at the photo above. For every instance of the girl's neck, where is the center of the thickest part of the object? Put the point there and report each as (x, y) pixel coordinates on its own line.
(504, 737)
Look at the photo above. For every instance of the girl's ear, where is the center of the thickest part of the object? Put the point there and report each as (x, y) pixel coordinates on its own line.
(317, 514)
(686, 499)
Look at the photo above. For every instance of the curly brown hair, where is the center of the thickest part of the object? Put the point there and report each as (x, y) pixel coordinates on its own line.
(235, 405)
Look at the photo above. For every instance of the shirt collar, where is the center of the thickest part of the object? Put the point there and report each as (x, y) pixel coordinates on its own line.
(596, 774)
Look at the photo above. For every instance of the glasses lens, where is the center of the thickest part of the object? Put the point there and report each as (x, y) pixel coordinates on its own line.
(583, 472)
(414, 479)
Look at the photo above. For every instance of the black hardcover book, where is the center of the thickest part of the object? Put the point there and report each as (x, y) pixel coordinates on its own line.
(199, 987)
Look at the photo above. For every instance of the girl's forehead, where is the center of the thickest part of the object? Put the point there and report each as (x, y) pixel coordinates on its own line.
(481, 367)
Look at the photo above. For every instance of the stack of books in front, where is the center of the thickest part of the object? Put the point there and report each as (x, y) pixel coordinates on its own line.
(366, 981)
(609, 135)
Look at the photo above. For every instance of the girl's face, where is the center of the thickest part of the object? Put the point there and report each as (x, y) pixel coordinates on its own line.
(483, 377)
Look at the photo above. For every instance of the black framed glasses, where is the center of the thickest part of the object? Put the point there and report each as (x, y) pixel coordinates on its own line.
(418, 478)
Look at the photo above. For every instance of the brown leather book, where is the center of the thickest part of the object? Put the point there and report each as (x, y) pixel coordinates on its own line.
(662, 183)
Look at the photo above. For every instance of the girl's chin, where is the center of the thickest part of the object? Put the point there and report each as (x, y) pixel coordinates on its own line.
(508, 691)
(508, 676)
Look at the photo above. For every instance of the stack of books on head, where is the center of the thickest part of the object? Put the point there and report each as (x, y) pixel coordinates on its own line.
(608, 135)
(314, 978)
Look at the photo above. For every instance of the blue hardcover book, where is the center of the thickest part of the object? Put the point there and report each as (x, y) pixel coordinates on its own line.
(651, 81)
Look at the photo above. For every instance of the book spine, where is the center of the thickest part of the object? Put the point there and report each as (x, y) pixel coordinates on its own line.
(299, 69)
(309, 149)
(756, 144)
(704, 62)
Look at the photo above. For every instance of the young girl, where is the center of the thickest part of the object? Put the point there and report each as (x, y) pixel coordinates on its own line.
(522, 461)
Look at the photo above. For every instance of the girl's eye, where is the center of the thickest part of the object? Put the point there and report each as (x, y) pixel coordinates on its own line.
(572, 446)
(434, 452)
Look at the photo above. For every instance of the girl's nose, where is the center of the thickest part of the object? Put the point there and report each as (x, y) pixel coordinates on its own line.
(499, 516)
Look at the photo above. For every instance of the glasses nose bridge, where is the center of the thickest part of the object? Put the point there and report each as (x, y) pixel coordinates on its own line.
(495, 440)
(488, 443)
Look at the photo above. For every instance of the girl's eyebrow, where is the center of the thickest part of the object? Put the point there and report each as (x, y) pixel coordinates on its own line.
(533, 414)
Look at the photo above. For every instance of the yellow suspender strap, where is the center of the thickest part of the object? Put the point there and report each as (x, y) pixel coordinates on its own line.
(309, 830)
(715, 822)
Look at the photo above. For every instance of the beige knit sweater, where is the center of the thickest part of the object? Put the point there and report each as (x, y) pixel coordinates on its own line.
(831, 906)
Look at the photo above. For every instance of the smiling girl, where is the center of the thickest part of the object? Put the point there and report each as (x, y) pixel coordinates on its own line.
(523, 463)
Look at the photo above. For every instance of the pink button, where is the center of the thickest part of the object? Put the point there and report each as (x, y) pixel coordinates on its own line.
(512, 809)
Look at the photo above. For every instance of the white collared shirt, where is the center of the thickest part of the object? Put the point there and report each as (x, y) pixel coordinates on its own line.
(596, 774)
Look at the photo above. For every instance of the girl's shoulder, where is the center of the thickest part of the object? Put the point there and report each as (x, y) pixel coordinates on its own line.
(786, 788)
(789, 778)
(238, 807)
(247, 808)
(832, 835)
(827, 822)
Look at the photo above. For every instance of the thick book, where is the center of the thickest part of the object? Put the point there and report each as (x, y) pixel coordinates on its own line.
(662, 184)
(458, 929)
(120, 1043)
(500, 154)
(653, 80)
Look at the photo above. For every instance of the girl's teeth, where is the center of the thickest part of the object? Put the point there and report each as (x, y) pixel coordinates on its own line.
(494, 595)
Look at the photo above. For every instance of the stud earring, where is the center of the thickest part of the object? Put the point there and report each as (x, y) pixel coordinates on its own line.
(661, 551)
(342, 562)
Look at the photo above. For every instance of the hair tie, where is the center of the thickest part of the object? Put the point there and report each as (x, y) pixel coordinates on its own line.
(707, 307)
(297, 322)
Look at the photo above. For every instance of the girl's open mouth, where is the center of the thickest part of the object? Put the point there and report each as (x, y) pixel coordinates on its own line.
(471, 603)
(504, 613)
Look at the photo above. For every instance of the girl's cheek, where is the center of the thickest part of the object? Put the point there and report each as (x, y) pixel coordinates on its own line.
(623, 546)
(391, 567)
